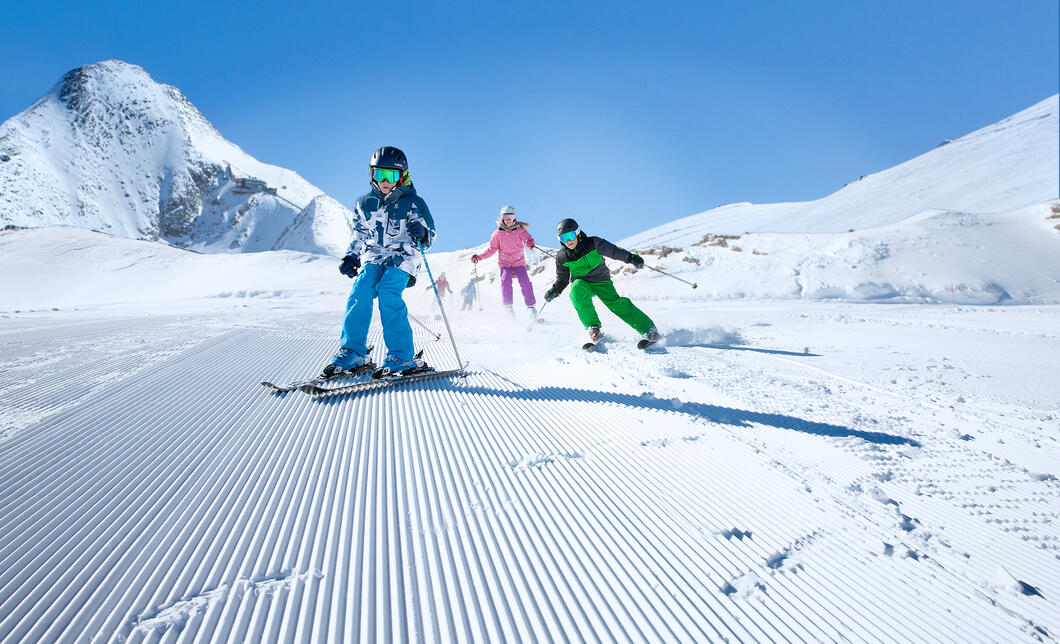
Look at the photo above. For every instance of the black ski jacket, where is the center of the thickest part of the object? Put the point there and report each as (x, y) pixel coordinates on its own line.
(586, 261)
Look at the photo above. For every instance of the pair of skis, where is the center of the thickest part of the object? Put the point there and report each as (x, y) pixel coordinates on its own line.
(318, 390)
(641, 344)
(317, 386)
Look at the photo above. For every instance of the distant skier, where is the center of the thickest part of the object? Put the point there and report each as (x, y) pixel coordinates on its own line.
(509, 238)
(468, 292)
(388, 222)
(581, 262)
(442, 284)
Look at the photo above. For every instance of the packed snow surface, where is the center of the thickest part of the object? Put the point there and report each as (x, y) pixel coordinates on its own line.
(785, 469)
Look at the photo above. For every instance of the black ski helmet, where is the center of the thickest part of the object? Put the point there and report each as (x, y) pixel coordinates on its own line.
(566, 226)
(389, 157)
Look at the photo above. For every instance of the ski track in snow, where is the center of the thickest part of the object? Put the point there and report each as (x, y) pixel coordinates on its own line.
(729, 487)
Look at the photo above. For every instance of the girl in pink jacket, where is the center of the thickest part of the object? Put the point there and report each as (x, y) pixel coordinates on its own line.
(509, 238)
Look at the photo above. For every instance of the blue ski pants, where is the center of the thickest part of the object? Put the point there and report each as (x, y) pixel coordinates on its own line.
(387, 283)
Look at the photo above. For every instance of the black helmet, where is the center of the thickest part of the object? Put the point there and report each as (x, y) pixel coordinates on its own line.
(389, 157)
(566, 226)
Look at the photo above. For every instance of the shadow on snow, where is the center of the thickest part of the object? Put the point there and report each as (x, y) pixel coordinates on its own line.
(712, 413)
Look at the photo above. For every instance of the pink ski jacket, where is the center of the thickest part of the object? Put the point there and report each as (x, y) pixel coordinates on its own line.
(510, 244)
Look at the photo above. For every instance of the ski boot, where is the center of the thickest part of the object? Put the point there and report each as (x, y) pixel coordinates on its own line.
(650, 337)
(344, 360)
(511, 312)
(595, 335)
(394, 367)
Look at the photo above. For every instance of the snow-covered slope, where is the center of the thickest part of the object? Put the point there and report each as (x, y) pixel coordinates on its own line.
(110, 149)
(795, 471)
(1000, 168)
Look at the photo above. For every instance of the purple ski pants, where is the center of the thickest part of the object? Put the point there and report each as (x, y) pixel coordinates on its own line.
(524, 283)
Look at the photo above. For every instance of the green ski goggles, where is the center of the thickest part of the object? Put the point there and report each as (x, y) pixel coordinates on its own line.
(571, 236)
(390, 175)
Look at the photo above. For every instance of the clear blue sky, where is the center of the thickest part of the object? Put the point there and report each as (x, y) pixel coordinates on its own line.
(623, 118)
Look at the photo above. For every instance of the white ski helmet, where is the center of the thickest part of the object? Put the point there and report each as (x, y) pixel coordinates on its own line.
(507, 210)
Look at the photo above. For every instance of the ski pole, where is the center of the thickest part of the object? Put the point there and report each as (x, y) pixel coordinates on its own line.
(692, 284)
(437, 336)
(474, 270)
(538, 316)
(440, 307)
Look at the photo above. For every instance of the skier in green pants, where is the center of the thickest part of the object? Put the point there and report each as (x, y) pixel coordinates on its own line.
(581, 261)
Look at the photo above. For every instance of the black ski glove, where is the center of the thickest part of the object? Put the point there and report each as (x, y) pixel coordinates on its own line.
(417, 231)
(551, 294)
(349, 266)
(635, 259)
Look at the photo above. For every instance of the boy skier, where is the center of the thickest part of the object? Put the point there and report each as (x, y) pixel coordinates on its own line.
(581, 261)
(469, 295)
(509, 239)
(388, 223)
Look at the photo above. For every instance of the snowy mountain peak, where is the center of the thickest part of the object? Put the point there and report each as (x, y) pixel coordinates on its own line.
(110, 149)
(92, 90)
(114, 99)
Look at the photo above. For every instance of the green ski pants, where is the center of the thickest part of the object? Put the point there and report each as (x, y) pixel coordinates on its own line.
(582, 293)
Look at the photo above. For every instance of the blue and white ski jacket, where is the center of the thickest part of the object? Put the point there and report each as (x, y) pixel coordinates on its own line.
(379, 223)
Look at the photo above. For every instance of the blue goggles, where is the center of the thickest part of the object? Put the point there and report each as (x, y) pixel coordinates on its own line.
(571, 236)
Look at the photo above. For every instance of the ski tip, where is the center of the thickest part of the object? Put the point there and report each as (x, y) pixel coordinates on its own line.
(276, 389)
